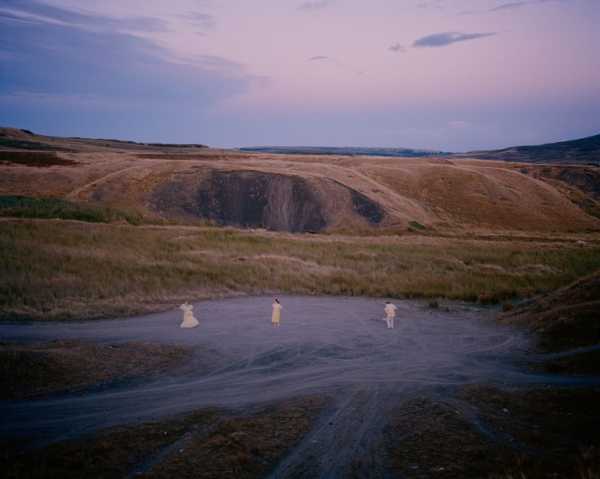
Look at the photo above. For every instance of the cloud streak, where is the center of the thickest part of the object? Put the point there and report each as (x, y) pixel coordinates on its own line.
(336, 63)
(396, 48)
(508, 6)
(198, 20)
(39, 13)
(511, 6)
(431, 4)
(314, 5)
(444, 39)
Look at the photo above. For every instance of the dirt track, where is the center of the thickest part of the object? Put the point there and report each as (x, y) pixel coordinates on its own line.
(333, 347)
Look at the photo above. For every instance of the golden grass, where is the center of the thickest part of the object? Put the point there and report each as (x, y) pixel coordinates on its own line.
(63, 269)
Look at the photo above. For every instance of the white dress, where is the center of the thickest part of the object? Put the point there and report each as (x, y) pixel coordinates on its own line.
(189, 321)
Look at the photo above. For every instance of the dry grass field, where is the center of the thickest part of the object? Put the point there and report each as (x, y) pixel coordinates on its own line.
(57, 269)
(98, 228)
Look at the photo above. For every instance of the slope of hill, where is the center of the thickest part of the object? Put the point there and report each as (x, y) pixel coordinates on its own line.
(15, 138)
(566, 318)
(582, 151)
(302, 193)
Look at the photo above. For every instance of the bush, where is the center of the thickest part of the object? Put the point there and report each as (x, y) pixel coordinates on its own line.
(415, 225)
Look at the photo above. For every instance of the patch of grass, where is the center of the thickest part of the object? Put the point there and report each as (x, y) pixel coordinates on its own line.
(31, 370)
(243, 447)
(39, 159)
(416, 226)
(205, 444)
(56, 270)
(55, 208)
(540, 433)
(555, 430)
(109, 454)
(27, 145)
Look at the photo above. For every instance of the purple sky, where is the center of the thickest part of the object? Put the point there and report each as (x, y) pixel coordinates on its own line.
(444, 74)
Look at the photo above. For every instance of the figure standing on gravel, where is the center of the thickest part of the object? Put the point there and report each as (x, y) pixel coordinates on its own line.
(390, 314)
(189, 320)
(276, 316)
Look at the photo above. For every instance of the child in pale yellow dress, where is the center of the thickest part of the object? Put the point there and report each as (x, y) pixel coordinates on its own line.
(276, 316)
(189, 320)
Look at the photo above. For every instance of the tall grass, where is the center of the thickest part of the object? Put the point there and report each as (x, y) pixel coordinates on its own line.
(52, 270)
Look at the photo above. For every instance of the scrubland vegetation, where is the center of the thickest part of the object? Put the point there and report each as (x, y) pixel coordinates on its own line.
(54, 269)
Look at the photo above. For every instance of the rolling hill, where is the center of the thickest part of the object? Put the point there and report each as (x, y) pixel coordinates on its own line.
(301, 193)
(582, 151)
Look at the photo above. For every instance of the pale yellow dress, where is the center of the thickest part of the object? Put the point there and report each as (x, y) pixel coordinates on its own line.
(276, 316)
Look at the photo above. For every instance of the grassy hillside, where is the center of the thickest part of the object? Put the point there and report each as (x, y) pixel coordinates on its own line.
(566, 318)
(59, 269)
(582, 151)
(356, 195)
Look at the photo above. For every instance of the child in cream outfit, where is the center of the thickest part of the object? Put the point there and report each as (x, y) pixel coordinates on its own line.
(390, 314)
(189, 321)
(276, 316)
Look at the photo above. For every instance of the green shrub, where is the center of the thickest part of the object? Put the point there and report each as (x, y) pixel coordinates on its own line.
(415, 225)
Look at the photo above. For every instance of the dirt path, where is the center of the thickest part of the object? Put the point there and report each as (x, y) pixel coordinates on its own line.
(78, 192)
(343, 442)
(336, 347)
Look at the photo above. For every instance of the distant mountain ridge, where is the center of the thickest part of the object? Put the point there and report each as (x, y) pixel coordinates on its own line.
(581, 151)
(345, 151)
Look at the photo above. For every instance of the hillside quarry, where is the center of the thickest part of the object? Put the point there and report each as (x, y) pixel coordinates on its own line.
(301, 193)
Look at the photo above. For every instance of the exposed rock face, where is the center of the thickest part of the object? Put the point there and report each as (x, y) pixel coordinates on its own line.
(368, 209)
(255, 199)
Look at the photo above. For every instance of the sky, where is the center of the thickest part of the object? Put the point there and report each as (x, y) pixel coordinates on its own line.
(452, 75)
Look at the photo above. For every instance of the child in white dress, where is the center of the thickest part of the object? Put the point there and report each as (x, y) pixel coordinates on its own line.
(189, 320)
